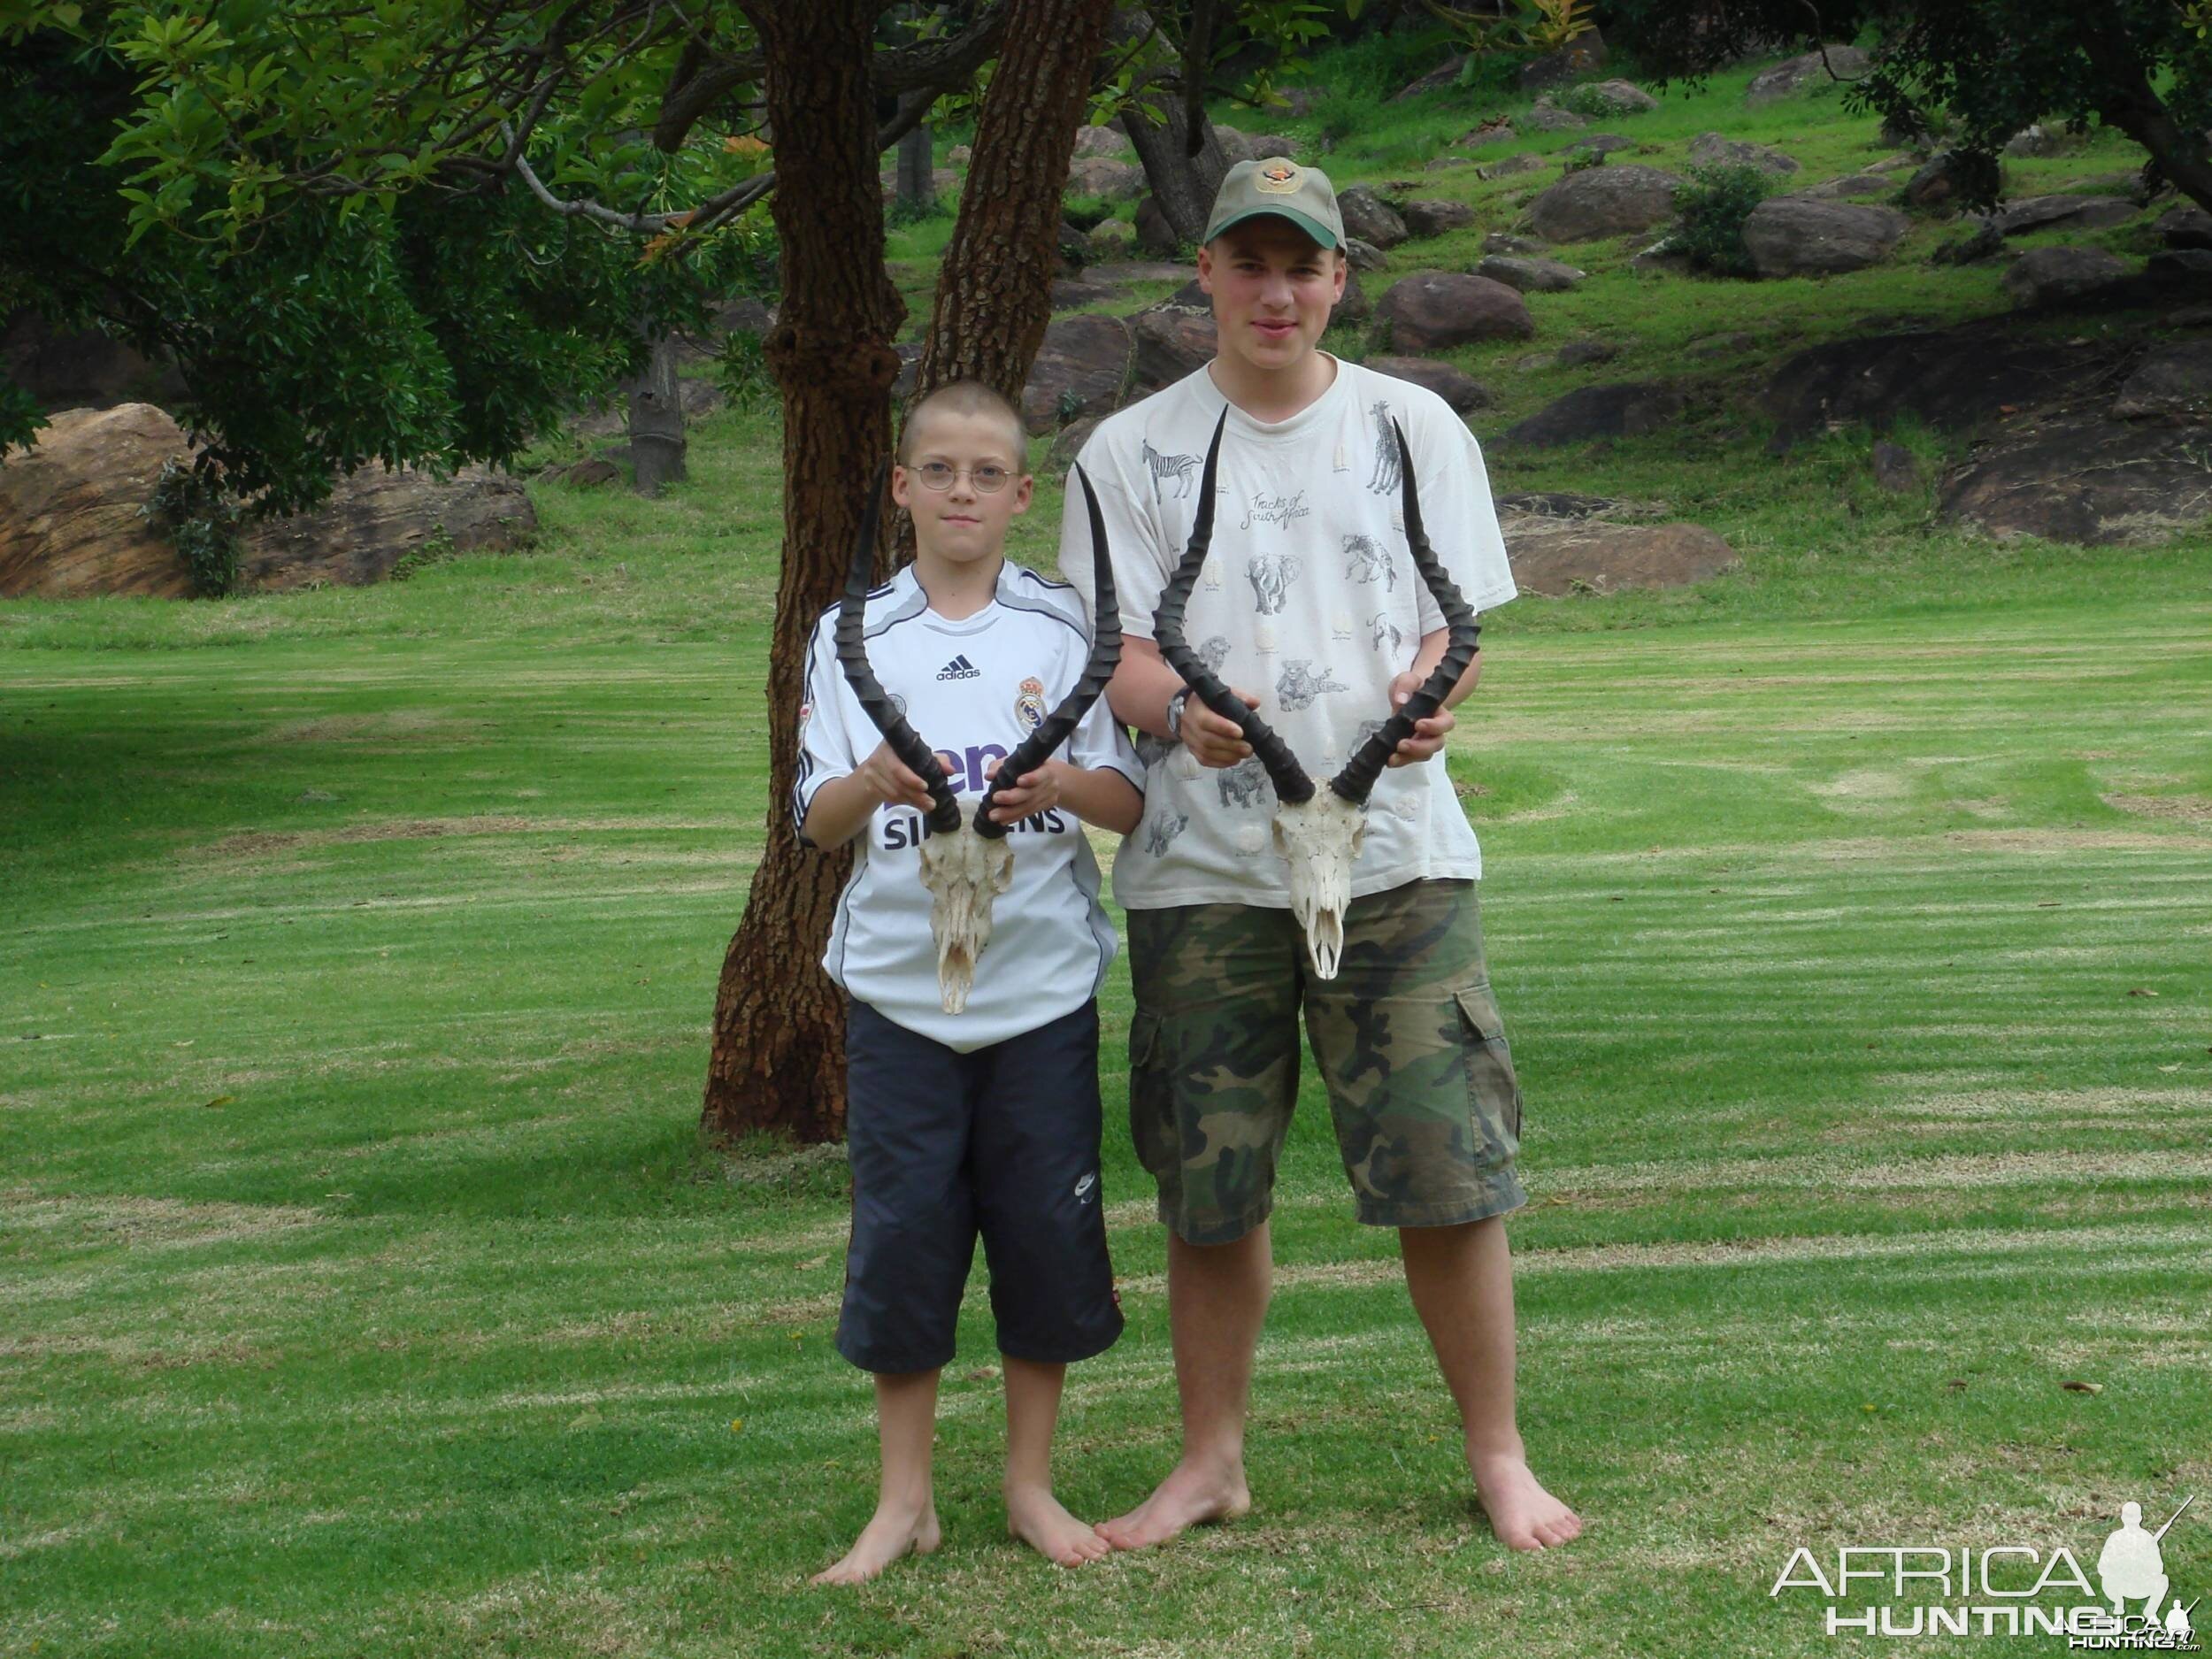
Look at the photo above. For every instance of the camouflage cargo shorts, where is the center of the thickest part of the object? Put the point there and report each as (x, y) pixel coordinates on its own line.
(1408, 1036)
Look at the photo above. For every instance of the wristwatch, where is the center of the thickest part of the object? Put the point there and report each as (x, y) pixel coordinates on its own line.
(1175, 713)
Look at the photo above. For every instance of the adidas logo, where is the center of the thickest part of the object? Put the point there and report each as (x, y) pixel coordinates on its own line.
(959, 668)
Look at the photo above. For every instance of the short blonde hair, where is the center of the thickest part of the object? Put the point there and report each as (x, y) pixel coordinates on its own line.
(966, 398)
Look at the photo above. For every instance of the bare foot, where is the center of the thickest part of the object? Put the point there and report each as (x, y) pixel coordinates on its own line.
(1190, 1496)
(1522, 1513)
(1035, 1515)
(893, 1533)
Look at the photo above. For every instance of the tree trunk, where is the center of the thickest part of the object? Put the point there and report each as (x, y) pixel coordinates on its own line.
(1183, 181)
(656, 421)
(994, 288)
(778, 1057)
(2131, 104)
(917, 187)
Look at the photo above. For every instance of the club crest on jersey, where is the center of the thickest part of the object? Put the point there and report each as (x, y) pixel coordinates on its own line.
(1029, 707)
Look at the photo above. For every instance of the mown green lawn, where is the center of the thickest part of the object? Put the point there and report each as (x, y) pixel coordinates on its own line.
(365, 1288)
(367, 1291)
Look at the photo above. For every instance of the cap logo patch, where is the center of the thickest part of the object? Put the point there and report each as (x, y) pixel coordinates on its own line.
(1279, 177)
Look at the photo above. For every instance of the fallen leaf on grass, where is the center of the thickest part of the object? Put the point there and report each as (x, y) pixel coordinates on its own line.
(2139, 991)
(2074, 1385)
(222, 1100)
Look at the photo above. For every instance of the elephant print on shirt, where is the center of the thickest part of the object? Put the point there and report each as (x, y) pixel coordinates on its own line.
(1270, 575)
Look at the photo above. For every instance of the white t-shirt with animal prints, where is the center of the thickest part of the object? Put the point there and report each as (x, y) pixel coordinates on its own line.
(1308, 598)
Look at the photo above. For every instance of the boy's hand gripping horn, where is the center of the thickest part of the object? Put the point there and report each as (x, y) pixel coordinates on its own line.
(967, 862)
(1318, 832)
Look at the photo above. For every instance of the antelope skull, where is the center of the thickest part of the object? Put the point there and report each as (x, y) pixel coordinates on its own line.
(966, 861)
(1317, 832)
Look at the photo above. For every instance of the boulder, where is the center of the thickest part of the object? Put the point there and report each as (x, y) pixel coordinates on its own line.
(1101, 141)
(1598, 201)
(1722, 345)
(1080, 369)
(1483, 137)
(1790, 237)
(2035, 140)
(1075, 248)
(1432, 310)
(1531, 276)
(1266, 144)
(1895, 468)
(1943, 179)
(1300, 101)
(1444, 163)
(1618, 97)
(1578, 56)
(1546, 117)
(1445, 74)
(1069, 294)
(1982, 244)
(2173, 383)
(1433, 219)
(69, 509)
(1235, 146)
(1953, 379)
(1666, 256)
(2084, 479)
(1124, 272)
(1600, 144)
(2188, 268)
(1850, 184)
(1461, 391)
(591, 474)
(944, 184)
(1173, 339)
(1102, 176)
(1579, 354)
(1557, 557)
(1155, 233)
(1711, 150)
(2186, 228)
(1352, 306)
(2064, 212)
(1370, 219)
(1500, 242)
(2045, 276)
(376, 518)
(910, 353)
(1511, 166)
(1069, 443)
(1110, 239)
(1364, 256)
(1627, 409)
(1824, 68)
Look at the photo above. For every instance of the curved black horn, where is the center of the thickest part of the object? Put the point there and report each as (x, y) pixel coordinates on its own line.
(1292, 785)
(1356, 781)
(1056, 728)
(852, 657)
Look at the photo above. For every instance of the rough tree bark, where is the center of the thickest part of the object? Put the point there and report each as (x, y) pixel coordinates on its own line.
(917, 184)
(778, 1058)
(994, 288)
(1183, 175)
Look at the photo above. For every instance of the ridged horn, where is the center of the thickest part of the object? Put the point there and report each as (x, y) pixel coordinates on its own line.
(1356, 781)
(852, 657)
(1292, 784)
(1057, 727)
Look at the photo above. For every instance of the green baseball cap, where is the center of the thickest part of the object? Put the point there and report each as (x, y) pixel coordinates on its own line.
(1277, 185)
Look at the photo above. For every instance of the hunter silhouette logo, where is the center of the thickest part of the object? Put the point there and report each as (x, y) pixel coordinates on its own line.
(2013, 1589)
(1279, 177)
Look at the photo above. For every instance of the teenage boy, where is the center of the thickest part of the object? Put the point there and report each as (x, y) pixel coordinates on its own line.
(987, 1121)
(1309, 598)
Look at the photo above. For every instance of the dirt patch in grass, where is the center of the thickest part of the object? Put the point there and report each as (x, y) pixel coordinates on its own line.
(2172, 809)
(401, 725)
(148, 1223)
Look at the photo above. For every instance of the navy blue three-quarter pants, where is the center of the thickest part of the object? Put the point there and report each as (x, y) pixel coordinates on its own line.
(1000, 1143)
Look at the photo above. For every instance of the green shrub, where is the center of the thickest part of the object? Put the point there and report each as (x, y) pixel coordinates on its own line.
(1712, 203)
(1584, 157)
(191, 508)
(1588, 98)
(741, 370)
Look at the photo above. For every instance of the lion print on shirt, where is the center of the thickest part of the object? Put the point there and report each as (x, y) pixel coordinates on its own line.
(1213, 650)
(1270, 575)
(1298, 686)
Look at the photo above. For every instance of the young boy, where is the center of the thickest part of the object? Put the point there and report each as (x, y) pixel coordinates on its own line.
(985, 1121)
(1310, 608)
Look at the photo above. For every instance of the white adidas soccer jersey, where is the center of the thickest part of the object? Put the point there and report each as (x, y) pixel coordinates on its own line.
(1308, 598)
(972, 689)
